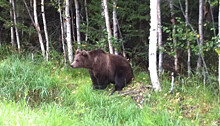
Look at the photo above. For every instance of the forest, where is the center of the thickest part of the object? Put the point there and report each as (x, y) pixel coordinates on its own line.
(173, 47)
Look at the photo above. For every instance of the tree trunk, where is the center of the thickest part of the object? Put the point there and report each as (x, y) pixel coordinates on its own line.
(72, 21)
(115, 24)
(173, 21)
(68, 32)
(31, 3)
(213, 20)
(45, 29)
(122, 44)
(108, 26)
(0, 36)
(12, 27)
(38, 27)
(160, 68)
(205, 70)
(188, 42)
(103, 19)
(199, 63)
(87, 20)
(219, 45)
(77, 22)
(62, 34)
(15, 24)
(153, 45)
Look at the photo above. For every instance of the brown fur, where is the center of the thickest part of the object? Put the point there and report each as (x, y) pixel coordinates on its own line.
(104, 68)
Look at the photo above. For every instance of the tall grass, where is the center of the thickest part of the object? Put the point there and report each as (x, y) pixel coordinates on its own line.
(21, 79)
(46, 93)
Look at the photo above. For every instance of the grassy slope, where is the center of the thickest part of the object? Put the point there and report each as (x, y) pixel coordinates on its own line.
(37, 93)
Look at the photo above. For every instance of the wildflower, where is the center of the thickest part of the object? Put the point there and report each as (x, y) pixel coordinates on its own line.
(180, 117)
(177, 94)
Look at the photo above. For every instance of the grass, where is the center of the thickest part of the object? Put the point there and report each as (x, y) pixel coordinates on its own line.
(39, 93)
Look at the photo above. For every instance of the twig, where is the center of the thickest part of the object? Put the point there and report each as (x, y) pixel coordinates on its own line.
(172, 82)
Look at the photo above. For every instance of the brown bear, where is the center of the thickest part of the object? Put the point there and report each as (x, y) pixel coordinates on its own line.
(104, 68)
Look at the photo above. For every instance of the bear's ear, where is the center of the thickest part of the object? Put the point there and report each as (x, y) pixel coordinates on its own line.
(78, 51)
(84, 53)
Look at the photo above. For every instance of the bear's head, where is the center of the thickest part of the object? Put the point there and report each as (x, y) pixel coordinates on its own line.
(81, 60)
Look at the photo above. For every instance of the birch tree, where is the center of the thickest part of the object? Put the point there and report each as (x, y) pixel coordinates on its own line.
(219, 46)
(68, 32)
(15, 25)
(153, 45)
(199, 63)
(108, 26)
(87, 20)
(188, 42)
(115, 24)
(160, 68)
(12, 27)
(72, 21)
(38, 27)
(45, 29)
(173, 21)
(62, 33)
(77, 22)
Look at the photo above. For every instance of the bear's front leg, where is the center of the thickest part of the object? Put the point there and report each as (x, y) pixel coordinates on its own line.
(94, 80)
(102, 80)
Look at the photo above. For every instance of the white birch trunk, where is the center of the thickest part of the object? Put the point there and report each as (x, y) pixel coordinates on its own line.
(102, 28)
(188, 43)
(12, 27)
(153, 45)
(108, 26)
(199, 63)
(87, 20)
(68, 32)
(38, 27)
(160, 68)
(219, 46)
(45, 29)
(72, 22)
(174, 38)
(115, 24)
(15, 25)
(62, 34)
(77, 22)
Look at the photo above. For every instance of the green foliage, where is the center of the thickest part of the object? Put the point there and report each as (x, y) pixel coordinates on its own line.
(213, 3)
(183, 35)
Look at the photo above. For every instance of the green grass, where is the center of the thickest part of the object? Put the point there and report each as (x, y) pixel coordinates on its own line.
(40, 93)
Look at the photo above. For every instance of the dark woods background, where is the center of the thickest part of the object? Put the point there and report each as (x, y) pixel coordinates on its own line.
(133, 18)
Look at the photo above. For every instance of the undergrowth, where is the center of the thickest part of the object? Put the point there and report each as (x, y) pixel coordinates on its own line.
(35, 92)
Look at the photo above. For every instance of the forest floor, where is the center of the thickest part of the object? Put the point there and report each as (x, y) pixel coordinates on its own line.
(34, 92)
